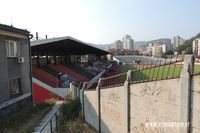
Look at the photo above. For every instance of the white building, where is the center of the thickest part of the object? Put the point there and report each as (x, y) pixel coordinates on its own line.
(196, 46)
(128, 42)
(156, 49)
(177, 41)
(117, 44)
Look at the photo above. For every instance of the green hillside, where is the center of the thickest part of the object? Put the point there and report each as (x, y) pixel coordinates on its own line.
(187, 46)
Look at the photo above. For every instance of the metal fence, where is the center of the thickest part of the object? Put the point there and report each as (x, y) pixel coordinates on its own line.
(92, 85)
(113, 81)
(163, 69)
(108, 82)
(196, 70)
(160, 69)
(51, 125)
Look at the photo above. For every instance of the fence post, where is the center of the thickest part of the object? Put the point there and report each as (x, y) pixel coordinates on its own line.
(56, 121)
(99, 104)
(78, 90)
(73, 90)
(185, 92)
(83, 107)
(127, 102)
(51, 126)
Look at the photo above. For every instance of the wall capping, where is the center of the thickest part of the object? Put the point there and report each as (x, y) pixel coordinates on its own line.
(14, 100)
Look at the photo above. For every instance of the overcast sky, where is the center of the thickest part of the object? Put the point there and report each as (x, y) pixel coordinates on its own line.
(103, 21)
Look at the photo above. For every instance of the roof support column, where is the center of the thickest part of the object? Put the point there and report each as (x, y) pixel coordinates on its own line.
(54, 58)
(38, 59)
(47, 59)
(61, 60)
(67, 59)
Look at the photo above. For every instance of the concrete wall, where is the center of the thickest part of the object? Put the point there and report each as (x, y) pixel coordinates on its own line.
(91, 108)
(165, 106)
(112, 110)
(158, 102)
(195, 107)
(16, 104)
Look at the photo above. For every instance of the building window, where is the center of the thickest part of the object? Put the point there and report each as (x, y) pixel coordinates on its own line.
(15, 86)
(11, 48)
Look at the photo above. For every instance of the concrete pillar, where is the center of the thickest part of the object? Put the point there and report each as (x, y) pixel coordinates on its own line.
(99, 104)
(54, 59)
(38, 59)
(78, 90)
(61, 60)
(83, 100)
(73, 90)
(185, 92)
(127, 102)
(47, 59)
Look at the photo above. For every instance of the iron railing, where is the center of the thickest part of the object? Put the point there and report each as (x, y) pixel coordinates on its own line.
(113, 81)
(159, 70)
(92, 85)
(51, 126)
(196, 70)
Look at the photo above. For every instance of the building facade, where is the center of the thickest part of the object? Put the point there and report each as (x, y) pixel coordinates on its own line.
(177, 41)
(196, 46)
(156, 49)
(128, 42)
(166, 41)
(117, 44)
(15, 69)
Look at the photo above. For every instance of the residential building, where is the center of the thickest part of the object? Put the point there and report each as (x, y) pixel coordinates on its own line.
(117, 44)
(128, 42)
(196, 46)
(156, 49)
(15, 69)
(165, 41)
(177, 41)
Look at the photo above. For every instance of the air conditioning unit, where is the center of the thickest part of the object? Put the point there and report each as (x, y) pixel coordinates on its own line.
(20, 59)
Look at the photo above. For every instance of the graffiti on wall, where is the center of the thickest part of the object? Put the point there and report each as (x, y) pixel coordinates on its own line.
(112, 96)
(110, 113)
(147, 90)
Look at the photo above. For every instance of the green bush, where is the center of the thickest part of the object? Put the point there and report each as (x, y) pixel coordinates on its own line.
(71, 120)
(71, 108)
(45, 104)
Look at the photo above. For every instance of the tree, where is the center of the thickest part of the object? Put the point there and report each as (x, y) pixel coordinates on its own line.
(163, 55)
(169, 52)
(187, 46)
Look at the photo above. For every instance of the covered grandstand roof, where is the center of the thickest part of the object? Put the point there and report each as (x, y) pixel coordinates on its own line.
(63, 46)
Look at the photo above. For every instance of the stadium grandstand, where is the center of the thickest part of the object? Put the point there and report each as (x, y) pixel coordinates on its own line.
(57, 62)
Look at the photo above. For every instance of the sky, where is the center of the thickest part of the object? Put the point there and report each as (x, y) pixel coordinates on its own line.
(104, 21)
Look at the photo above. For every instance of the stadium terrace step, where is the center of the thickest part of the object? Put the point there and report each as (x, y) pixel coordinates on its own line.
(50, 70)
(45, 77)
(77, 68)
(65, 70)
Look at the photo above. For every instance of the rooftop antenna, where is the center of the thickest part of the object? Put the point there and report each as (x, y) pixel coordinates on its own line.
(37, 36)
(11, 22)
